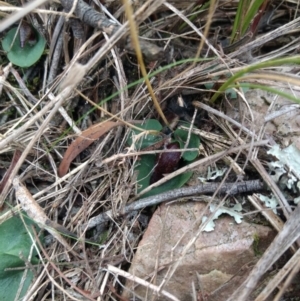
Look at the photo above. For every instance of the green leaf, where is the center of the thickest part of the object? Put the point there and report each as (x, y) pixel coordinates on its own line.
(194, 142)
(14, 240)
(229, 92)
(146, 163)
(145, 167)
(252, 11)
(26, 56)
(270, 63)
(237, 25)
(149, 139)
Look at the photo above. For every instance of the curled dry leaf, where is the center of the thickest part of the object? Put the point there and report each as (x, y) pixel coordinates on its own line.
(166, 162)
(86, 138)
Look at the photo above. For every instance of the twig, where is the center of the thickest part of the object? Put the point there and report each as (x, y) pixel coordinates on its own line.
(141, 281)
(282, 274)
(55, 50)
(230, 188)
(98, 20)
(266, 38)
(198, 104)
(16, 157)
(23, 87)
(208, 160)
(4, 75)
(289, 234)
(36, 213)
(56, 103)
(11, 19)
(63, 276)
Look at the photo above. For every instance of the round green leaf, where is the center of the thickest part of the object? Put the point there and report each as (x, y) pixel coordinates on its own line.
(15, 240)
(146, 164)
(26, 56)
(147, 140)
(194, 142)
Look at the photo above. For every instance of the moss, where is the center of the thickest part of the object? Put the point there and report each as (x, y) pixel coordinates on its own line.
(255, 245)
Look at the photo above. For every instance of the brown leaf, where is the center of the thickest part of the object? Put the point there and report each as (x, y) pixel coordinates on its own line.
(15, 159)
(86, 138)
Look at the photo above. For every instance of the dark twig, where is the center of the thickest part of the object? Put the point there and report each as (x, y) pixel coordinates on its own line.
(209, 188)
(98, 20)
(55, 49)
(55, 59)
(23, 87)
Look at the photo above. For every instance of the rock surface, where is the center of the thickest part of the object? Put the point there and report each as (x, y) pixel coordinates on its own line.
(174, 254)
(285, 127)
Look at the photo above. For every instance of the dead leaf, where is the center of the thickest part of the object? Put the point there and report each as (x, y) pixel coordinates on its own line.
(15, 159)
(74, 76)
(86, 138)
(37, 214)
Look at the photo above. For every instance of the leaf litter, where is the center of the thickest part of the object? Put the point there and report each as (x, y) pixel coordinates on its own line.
(103, 178)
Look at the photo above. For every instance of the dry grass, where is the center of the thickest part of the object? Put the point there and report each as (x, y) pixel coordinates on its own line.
(89, 79)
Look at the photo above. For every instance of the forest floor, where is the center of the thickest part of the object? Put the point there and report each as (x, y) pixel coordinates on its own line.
(110, 109)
